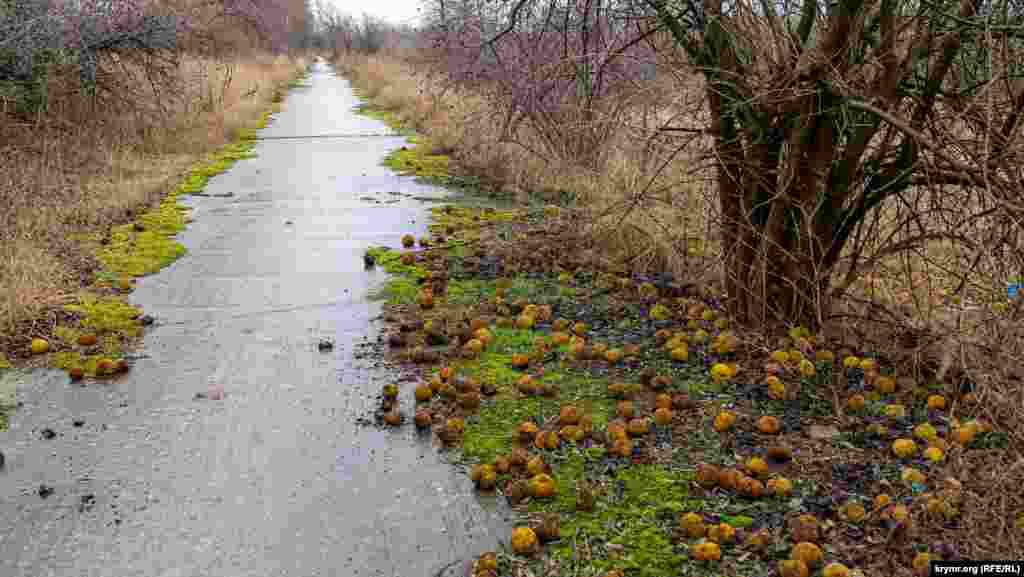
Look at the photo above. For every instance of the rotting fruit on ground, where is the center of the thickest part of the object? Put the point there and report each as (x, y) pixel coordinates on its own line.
(636, 434)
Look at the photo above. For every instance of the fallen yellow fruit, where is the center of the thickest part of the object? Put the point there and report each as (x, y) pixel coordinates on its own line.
(934, 454)
(707, 551)
(904, 447)
(524, 541)
(39, 346)
(835, 570)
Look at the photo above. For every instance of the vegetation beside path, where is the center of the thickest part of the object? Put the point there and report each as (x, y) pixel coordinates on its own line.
(637, 431)
(86, 325)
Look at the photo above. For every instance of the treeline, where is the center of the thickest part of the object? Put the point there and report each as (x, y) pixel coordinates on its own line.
(80, 46)
(338, 32)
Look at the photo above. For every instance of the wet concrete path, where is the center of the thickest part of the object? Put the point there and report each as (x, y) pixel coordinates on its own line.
(277, 478)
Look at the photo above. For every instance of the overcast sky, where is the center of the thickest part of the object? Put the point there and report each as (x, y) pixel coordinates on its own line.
(394, 11)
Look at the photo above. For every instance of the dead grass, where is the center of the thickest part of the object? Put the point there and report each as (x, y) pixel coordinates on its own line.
(658, 222)
(68, 175)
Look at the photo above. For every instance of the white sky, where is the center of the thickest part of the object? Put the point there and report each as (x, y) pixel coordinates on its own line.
(394, 11)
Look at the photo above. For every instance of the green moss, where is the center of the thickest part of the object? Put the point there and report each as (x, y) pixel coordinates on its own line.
(587, 392)
(68, 335)
(491, 367)
(403, 286)
(419, 162)
(465, 292)
(640, 520)
(137, 253)
(396, 291)
(385, 116)
(466, 218)
(221, 160)
(509, 341)
(67, 359)
(4, 363)
(106, 314)
(422, 159)
(391, 262)
(8, 385)
(489, 434)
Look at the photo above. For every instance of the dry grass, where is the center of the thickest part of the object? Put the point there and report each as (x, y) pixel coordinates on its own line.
(71, 173)
(646, 204)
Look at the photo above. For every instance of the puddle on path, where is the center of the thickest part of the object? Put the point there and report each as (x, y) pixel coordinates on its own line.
(277, 478)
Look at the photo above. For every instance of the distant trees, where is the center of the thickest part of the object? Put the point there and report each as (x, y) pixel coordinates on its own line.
(555, 61)
(98, 36)
(339, 32)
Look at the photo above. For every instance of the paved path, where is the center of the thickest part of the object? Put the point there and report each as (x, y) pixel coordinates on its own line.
(276, 479)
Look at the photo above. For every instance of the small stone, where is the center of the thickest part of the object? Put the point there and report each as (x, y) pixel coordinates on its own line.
(325, 346)
(86, 502)
(2, 459)
(45, 491)
(146, 320)
(78, 422)
(48, 433)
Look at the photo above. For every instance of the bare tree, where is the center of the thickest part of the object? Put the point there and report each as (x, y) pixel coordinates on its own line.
(822, 113)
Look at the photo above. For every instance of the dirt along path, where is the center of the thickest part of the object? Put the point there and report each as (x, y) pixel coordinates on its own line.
(156, 474)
